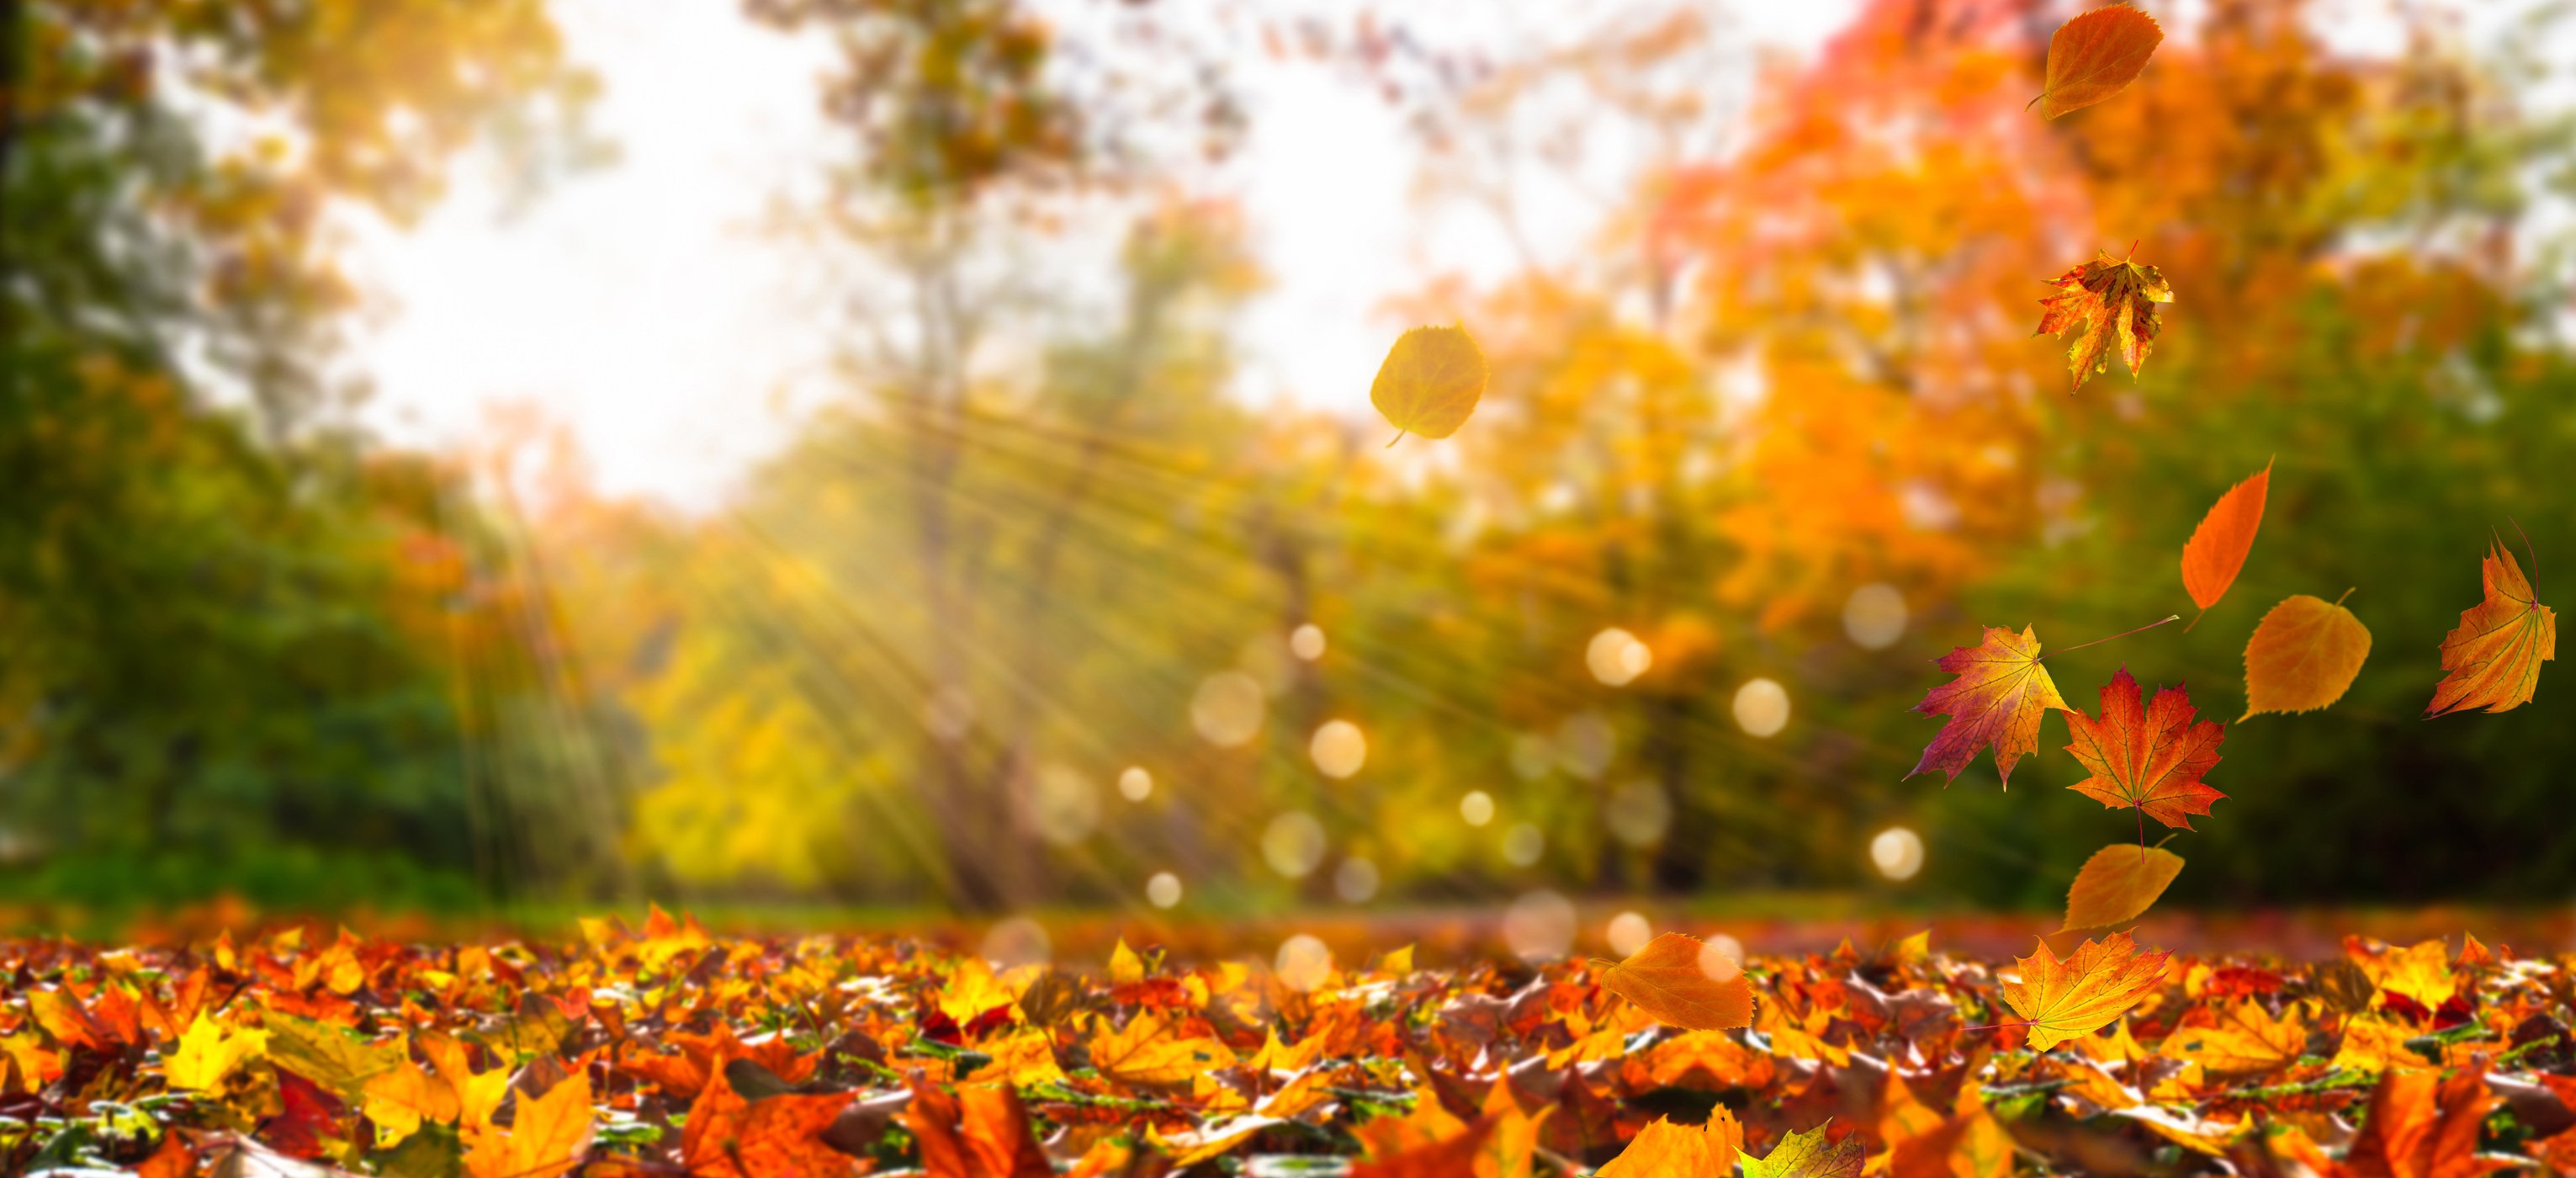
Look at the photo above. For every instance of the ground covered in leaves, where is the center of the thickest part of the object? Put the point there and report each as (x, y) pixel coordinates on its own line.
(666, 1051)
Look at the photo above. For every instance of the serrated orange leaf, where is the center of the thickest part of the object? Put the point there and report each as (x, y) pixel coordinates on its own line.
(2303, 656)
(1151, 1052)
(2095, 56)
(1430, 381)
(398, 1101)
(2149, 757)
(1998, 699)
(1684, 983)
(2424, 1125)
(2075, 996)
(2118, 883)
(2217, 548)
(1667, 1148)
(1809, 1155)
(1453, 1158)
(547, 1137)
(2243, 1039)
(2115, 299)
(2494, 655)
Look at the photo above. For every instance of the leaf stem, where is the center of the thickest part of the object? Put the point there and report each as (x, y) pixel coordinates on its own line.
(2099, 641)
(2346, 593)
(1399, 436)
(2528, 550)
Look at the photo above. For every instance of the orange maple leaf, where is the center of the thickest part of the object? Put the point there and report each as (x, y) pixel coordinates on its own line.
(982, 1131)
(2424, 1126)
(2115, 299)
(2150, 757)
(1998, 699)
(2494, 656)
(773, 1137)
(2080, 994)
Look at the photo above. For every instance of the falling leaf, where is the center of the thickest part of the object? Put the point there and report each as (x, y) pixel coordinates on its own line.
(1666, 1148)
(1998, 699)
(2151, 757)
(2217, 548)
(2075, 996)
(2115, 299)
(2494, 656)
(208, 1052)
(2118, 883)
(2095, 56)
(1668, 980)
(1809, 1155)
(1430, 382)
(2303, 656)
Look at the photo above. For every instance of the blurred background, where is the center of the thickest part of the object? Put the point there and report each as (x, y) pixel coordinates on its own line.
(909, 458)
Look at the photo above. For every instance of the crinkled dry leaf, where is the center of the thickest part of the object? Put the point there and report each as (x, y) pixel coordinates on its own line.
(2115, 300)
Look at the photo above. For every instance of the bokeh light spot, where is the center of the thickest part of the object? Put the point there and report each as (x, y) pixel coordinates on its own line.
(1303, 962)
(1355, 880)
(1477, 807)
(1585, 744)
(1897, 852)
(1017, 941)
(1164, 890)
(1539, 926)
(1134, 784)
(1874, 617)
(1616, 657)
(1638, 813)
(1293, 843)
(1721, 958)
(1762, 707)
(1307, 642)
(1533, 756)
(1227, 708)
(1065, 806)
(1629, 932)
(1339, 748)
(1523, 844)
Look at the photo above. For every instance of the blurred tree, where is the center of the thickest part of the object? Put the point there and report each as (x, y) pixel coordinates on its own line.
(215, 659)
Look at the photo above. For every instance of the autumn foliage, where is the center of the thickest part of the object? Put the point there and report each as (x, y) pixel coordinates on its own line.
(669, 1051)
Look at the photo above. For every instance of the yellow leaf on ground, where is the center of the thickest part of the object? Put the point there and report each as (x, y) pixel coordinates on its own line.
(208, 1052)
(2068, 998)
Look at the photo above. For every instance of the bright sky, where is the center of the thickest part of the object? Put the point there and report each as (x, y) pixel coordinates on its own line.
(643, 306)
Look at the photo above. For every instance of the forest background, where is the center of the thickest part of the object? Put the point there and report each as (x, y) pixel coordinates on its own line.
(1039, 612)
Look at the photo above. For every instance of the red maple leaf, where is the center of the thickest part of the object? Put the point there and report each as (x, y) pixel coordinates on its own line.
(2150, 757)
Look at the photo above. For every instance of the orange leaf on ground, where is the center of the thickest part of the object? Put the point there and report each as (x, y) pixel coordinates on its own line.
(2117, 884)
(2115, 299)
(2082, 993)
(2217, 548)
(1998, 699)
(2303, 656)
(547, 1137)
(2095, 56)
(1666, 1148)
(1685, 983)
(2494, 656)
(772, 1137)
(1809, 1155)
(2423, 1126)
(2150, 757)
(1452, 1158)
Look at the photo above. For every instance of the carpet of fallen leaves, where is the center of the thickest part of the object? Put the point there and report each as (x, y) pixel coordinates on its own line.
(666, 1051)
